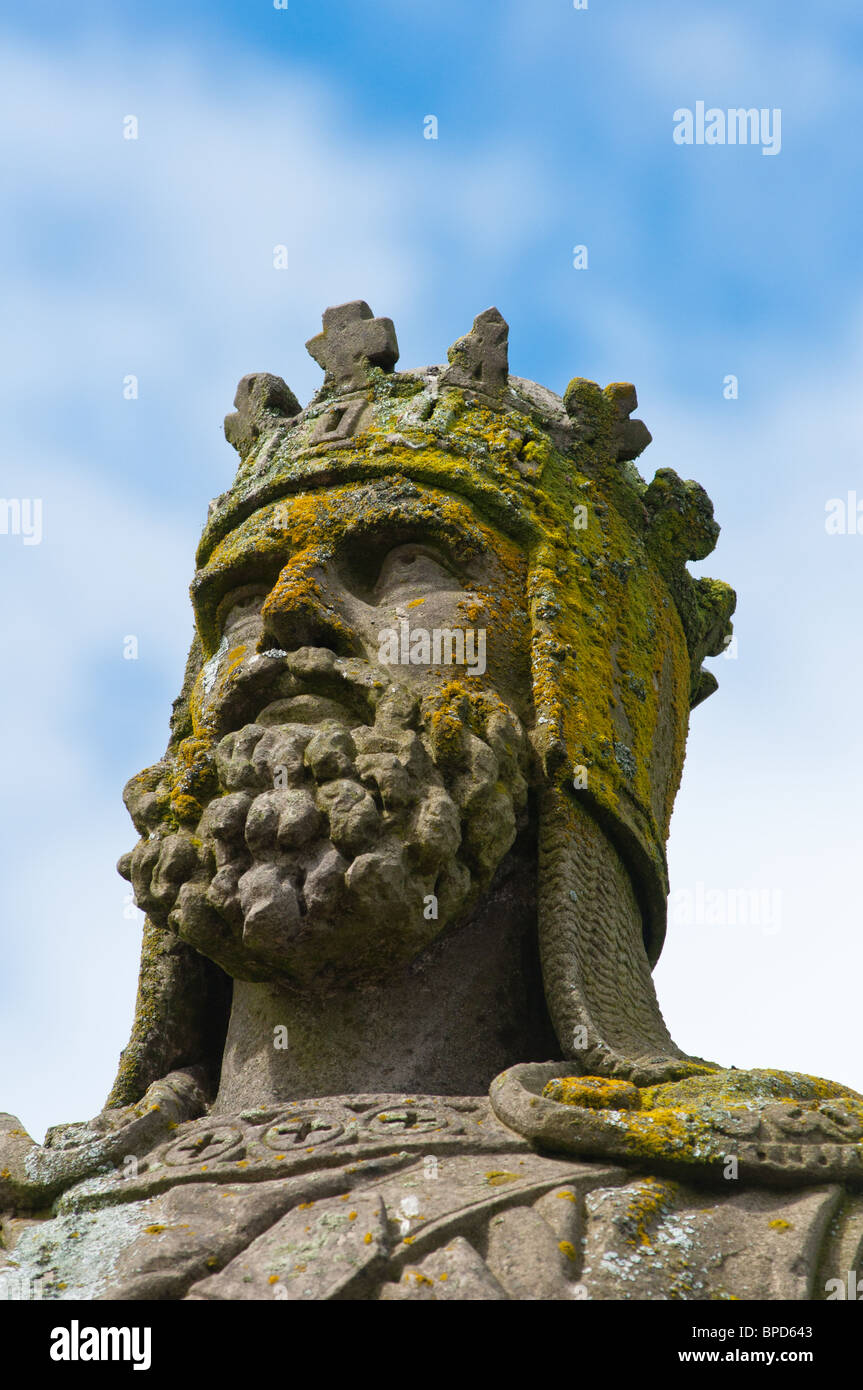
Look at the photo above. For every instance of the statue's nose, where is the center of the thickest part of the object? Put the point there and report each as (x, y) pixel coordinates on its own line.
(300, 611)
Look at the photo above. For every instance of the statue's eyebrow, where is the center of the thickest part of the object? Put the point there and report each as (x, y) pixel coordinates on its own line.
(254, 565)
(258, 558)
(458, 542)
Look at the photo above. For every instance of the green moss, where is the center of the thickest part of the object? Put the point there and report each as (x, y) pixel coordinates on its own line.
(730, 1089)
(617, 627)
(616, 630)
(685, 1122)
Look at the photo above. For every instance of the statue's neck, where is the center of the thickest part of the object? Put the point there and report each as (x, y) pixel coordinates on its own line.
(470, 1006)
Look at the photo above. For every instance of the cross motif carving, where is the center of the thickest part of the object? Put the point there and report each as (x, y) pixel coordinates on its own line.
(480, 359)
(206, 1145)
(262, 401)
(295, 1130)
(352, 341)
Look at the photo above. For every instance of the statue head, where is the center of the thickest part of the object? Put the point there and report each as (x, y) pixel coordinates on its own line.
(437, 610)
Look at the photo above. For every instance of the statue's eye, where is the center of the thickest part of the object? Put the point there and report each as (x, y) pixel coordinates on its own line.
(414, 569)
(240, 614)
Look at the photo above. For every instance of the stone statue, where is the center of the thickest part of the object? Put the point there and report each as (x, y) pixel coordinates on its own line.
(407, 844)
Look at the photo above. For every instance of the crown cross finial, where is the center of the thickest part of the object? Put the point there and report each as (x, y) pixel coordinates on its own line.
(480, 360)
(352, 341)
(262, 402)
(631, 437)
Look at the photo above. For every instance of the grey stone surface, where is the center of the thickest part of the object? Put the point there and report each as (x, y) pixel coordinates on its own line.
(387, 863)
(455, 1273)
(769, 1127)
(414, 1197)
(331, 1252)
(353, 340)
(479, 361)
(631, 437)
(655, 1240)
(263, 403)
(524, 1256)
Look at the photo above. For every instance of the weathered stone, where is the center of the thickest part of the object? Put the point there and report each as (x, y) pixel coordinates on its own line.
(479, 360)
(631, 437)
(189, 1232)
(656, 1240)
(352, 341)
(271, 911)
(409, 831)
(594, 1092)
(841, 1259)
(15, 1145)
(262, 402)
(456, 1273)
(32, 1174)
(330, 754)
(525, 1258)
(352, 815)
(709, 1118)
(331, 1251)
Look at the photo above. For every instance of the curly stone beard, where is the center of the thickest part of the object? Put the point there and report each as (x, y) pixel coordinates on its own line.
(335, 847)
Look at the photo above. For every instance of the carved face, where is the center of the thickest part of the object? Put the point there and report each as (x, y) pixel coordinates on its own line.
(356, 767)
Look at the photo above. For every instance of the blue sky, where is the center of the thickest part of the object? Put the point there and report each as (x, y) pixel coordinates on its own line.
(304, 127)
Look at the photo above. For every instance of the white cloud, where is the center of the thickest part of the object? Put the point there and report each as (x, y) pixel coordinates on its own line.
(155, 258)
(770, 796)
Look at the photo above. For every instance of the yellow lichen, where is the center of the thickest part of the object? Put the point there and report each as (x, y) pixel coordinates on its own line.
(651, 1200)
(594, 1092)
